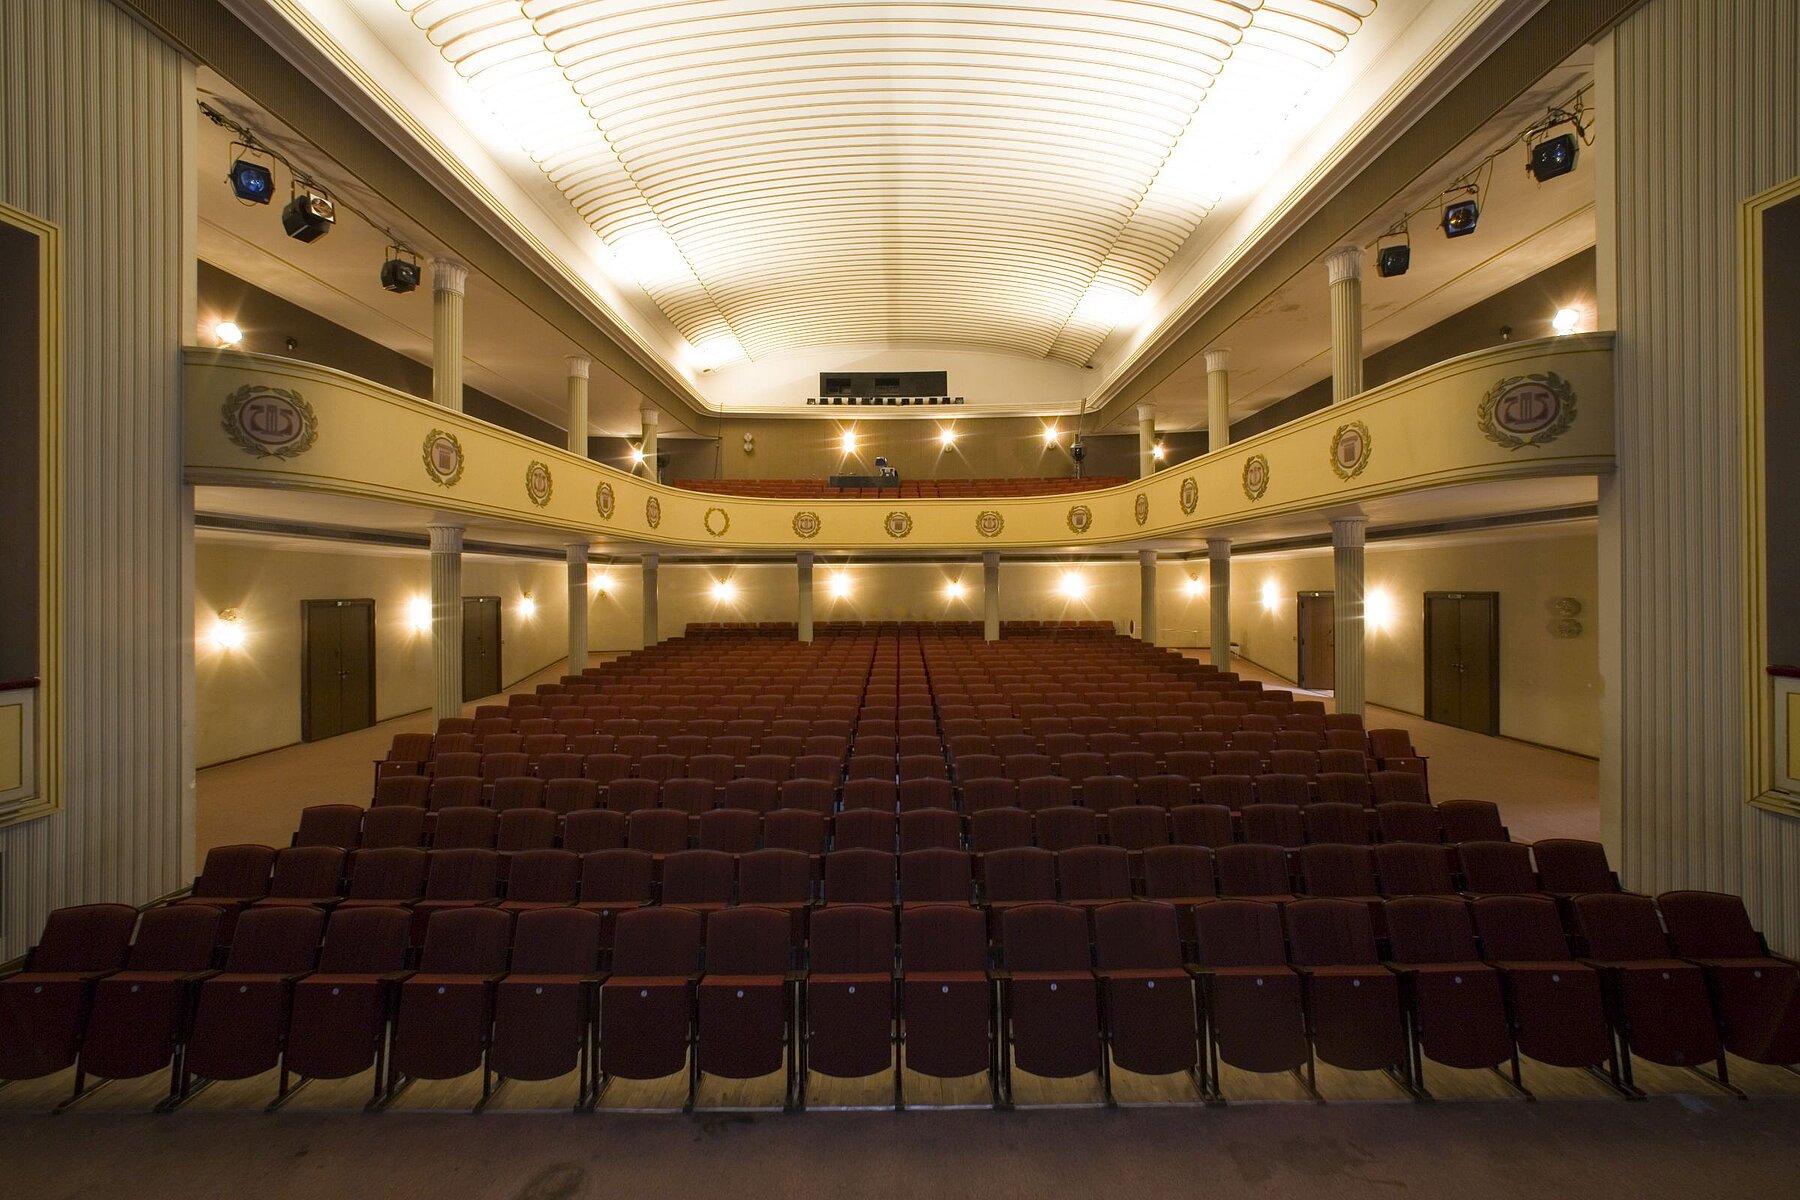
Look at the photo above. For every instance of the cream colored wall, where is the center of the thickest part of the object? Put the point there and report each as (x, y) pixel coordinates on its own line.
(1549, 687)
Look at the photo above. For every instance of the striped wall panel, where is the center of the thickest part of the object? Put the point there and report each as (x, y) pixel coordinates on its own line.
(92, 119)
(1708, 114)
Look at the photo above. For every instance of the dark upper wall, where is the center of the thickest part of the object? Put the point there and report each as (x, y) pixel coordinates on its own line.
(20, 403)
(1781, 428)
(268, 322)
(1525, 307)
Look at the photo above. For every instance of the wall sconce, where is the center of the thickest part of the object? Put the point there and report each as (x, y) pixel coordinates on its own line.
(1159, 451)
(947, 438)
(228, 333)
(839, 584)
(1196, 587)
(637, 456)
(1271, 596)
(1378, 609)
(228, 631)
(749, 443)
(1563, 611)
(1051, 433)
(527, 606)
(724, 591)
(418, 614)
(1072, 586)
(599, 582)
(953, 589)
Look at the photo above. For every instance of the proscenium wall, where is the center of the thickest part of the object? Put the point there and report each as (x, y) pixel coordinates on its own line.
(1549, 686)
(95, 126)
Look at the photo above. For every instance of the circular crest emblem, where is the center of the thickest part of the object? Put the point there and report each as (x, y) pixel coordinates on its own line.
(717, 521)
(1527, 410)
(989, 523)
(604, 501)
(898, 524)
(1350, 447)
(269, 422)
(1256, 477)
(652, 512)
(1081, 518)
(807, 524)
(1141, 509)
(537, 483)
(443, 457)
(1190, 496)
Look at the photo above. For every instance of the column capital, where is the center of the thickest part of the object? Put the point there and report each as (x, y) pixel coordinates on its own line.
(576, 553)
(448, 275)
(1218, 547)
(1218, 360)
(651, 416)
(1147, 558)
(990, 558)
(579, 365)
(1146, 412)
(446, 539)
(1349, 531)
(803, 558)
(1345, 264)
(649, 561)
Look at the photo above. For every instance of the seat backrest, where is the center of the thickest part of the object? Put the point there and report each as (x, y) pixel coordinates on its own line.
(1618, 927)
(1138, 827)
(1095, 873)
(992, 829)
(1414, 869)
(178, 938)
(1045, 791)
(1274, 825)
(236, 872)
(851, 939)
(307, 872)
(1330, 933)
(813, 795)
(337, 825)
(1065, 827)
(1572, 866)
(1136, 935)
(1347, 824)
(934, 792)
(657, 942)
(1044, 937)
(617, 876)
(1179, 873)
(525, 829)
(1471, 821)
(1234, 792)
(517, 791)
(1201, 825)
(544, 877)
(1239, 933)
(276, 941)
(464, 827)
(774, 876)
(859, 876)
(366, 941)
(1018, 874)
(1709, 925)
(930, 828)
(698, 877)
(943, 937)
(557, 941)
(1103, 793)
(795, 829)
(1496, 868)
(85, 938)
(936, 875)
(454, 791)
(1398, 787)
(1253, 870)
(864, 828)
(657, 830)
(1343, 787)
(1407, 822)
(590, 829)
(397, 873)
(1520, 929)
(688, 795)
(747, 941)
(1430, 929)
(733, 830)
(1335, 869)
(462, 875)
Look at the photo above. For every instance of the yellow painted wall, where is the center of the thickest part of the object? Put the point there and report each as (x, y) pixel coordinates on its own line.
(1549, 687)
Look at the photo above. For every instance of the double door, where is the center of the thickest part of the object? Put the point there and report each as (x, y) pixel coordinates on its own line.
(1462, 660)
(337, 684)
(481, 646)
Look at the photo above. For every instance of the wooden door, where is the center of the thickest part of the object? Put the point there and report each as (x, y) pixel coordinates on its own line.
(481, 646)
(1317, 615)
(337, 682)
(1462, 660)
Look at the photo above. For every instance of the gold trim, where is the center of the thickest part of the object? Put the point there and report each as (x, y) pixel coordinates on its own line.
(1487, 413)
(898, 524)
(805, 527)
(231, 417)
(652, 511)
(1140, 508)
(998, 522)
(1080, 519)
(1255, 492)
(532, 470)
(1362, 461)
(431, 467)
(1190, 496)
(724, 521)
(604, 500)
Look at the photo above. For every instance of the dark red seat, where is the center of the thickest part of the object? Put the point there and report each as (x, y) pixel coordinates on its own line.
(542, 879)
(446, 1010)
(1573, 867)
(1357, 1021)
(746, 1007)
(1758, 994)
(1665, 1013)
(337, 825)
(1458, 1008)
(139, 1013)
(936, 875)
(850, 994)
(946, 998)
(1496, 868)
(1558, 1010)
(700, 880)
(614, 882)
(993, 829)
(1050, 994)
(646, 1005)
(1151, 1018)
(859, 876)
(339, 1016)
(543, 1008)
(1256, 1014)
(44, 1006)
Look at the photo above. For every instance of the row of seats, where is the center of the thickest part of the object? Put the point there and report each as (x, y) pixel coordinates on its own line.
(802, 489)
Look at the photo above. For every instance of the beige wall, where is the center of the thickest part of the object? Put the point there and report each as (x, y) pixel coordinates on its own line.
(1549, 687)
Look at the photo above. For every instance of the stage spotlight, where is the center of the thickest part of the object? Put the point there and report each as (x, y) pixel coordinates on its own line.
(1461, 215)
(400, 273)
(251, 182)
(1552, 157)
(309, 216)
(1393, 260)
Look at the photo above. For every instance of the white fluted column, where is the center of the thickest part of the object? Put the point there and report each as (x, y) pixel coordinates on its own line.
(448, 281)
(446, 620)
(647, 443)
(1218, 563)
(803, 566)
(579, 369)
(1218, 400)
(577, 553)
(1146, 441)
(1347, 535)
(652, 632)
(990, 595)
(1344, 270)
(1147, 596)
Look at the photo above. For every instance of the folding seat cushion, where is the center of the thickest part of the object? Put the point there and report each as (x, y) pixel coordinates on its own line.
(456, 879)
(1182, 876)
(44, 1006)
(407, 754)
(542, 1006)
(698, 879)
(455, 791)
(590, 829)
(1496, 868)
(339, 1012)
(1758, 994)
(1201, 825)
(138, 1013)
(1666, 1013)
(850, 991)
(241, 1014)
(745, 1006)
(544, 743)
(945, 995)
(337, 825)
(305, 877)
(560, 765)
(1472, 821)
(1109, 743)
(1050, 993)
(657, 831)
(445, 1011)
(865, 828)
(936, 875)
(1274, 825)
(1558, 1008)
(646, 1003)
(1403, 821)
(1573, 867)
(1235, 792)
(456, 765)
(464, 827)
(1254, 872)
(1065, 827)
(1138, 826)
(568, 795)
(736, 746)
(1103, 793)
(1091, 876)
(387, 878)
(1346, 824)
(999, 829)
(1164, 791)
(775, 767)
(689, 746)
(930, 828)
(690, 796)
(732, 830)
(1357, 1023)
(232, 879)
(1009, 744)
(542, 878)
(814, 795)
(752, 795)
(1256, 1014)
(795, 829)
(1414, 869)
(1459, 1010)
(880, 794)
(1151, 1018)
(517, 791)
(859, 876)
(607, 767)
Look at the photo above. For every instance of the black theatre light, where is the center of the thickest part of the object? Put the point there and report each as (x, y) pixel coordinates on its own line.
(1461, 214)
(400, 273)
(1553, 157)
(1395, 257)
(309, 216)
(251, 182)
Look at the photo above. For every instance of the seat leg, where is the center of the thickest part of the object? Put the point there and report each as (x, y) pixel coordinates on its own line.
(82, 1091)
(284, 1091)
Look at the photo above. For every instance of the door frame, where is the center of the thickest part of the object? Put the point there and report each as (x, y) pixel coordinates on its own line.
(1493, 654)
(306, 607)
(499, 644)
(1300, 646)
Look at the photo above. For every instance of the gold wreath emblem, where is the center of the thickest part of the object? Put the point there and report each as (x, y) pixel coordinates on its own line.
(898, 524)
(604, 501)
(716, 517)
(989, 524)
(807, 524)
(1527, 410)
(538, 483)
(652, 512)
(1081, 518)
(443, 441)
(1256, 477)
(1190, 496)
(269, 422)
(1365, 446)
(1141, 510)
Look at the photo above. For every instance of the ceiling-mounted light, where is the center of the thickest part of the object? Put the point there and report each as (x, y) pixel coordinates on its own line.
(1462, 210)
(1109, 305)
(650, 256)
(251, 182)
(228, 333)
(309, 216)
(710, 353)
(400, 272)
(1393, 258)
(1552, 157)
